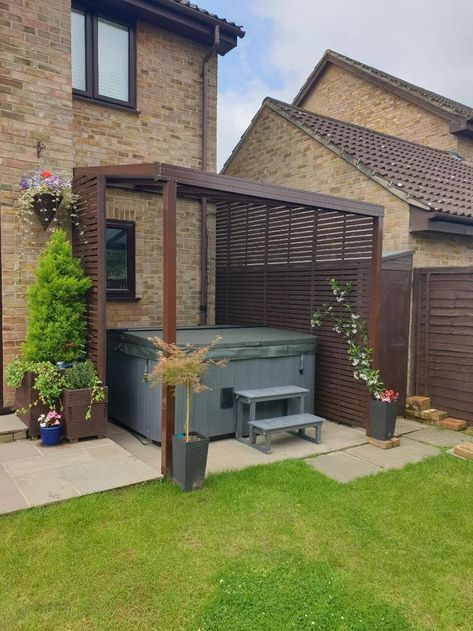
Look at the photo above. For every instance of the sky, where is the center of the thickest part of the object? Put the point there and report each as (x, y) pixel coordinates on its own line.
(426, 42)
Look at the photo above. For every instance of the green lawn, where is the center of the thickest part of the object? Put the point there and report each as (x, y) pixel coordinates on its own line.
(270, 548)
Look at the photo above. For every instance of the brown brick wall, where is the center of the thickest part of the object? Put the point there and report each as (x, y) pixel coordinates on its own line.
(276, 151)
(36, 104)
(146, 210)
(342, 95)
(167, 127)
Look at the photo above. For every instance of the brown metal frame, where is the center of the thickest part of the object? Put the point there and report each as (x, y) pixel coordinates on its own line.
(173, 181)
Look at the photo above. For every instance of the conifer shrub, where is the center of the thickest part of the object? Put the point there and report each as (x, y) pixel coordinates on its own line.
(57, 327)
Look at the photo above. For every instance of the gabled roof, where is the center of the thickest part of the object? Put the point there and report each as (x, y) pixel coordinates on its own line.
(182, 17)
(443, 106)
(428, 178)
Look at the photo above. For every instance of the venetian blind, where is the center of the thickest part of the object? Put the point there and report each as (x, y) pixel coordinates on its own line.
(113, 60)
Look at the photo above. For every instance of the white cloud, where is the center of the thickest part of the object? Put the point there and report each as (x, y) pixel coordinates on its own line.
(427, 42)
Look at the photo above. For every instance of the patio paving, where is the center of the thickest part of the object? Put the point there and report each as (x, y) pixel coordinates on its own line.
(33, 475)
(231, 455)
(440, 437)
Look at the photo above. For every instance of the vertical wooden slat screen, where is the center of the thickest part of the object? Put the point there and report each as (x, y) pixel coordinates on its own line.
(274, 264)
(443, 333)
(91, 250)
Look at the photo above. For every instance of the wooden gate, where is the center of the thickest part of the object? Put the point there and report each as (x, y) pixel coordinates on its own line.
(443, 338)
(395, 313)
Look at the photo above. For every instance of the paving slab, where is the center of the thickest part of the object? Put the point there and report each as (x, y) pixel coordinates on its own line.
(11, 423)
(440, 437)
(405, 426)
(10, 497)
(37, 464)
(17, 450)
(45, 487)
(343, 467)
(107, 473)
(408, 451)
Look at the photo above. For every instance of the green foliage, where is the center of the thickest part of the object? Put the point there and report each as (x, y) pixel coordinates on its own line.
(354, 332)
(47, 380)
(84, 375)
(57, 328)
(50, 381)
(183, 367)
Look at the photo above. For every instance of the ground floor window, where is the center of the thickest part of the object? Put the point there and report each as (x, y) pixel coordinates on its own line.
(120, 252)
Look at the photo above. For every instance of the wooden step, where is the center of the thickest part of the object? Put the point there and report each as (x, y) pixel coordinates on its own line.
(272, 394)
(11, 428)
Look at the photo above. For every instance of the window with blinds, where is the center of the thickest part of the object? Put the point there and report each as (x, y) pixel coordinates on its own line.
(103, 58)
(113, 59)
(78, 50)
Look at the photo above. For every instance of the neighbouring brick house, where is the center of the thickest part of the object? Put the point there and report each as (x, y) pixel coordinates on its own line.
(360, 133)
(110, 82)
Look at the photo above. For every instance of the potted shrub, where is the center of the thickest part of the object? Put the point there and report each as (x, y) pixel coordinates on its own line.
(84, 402)
(185, 367)
(50, 428)
(56, 328)
(39, 385)
(353, 330)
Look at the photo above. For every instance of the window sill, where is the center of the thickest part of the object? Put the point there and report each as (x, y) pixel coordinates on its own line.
(113, 106)
(111, 298)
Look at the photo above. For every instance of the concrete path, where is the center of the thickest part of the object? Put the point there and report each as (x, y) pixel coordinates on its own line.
(33, 475)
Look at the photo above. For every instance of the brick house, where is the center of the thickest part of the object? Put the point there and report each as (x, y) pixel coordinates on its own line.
(110, 82)
(360, 133)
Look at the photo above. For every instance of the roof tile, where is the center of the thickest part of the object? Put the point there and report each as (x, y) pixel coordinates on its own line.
(433, 177)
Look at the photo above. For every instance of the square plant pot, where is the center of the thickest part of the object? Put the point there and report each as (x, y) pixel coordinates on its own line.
(382, 419)
(190, 461)
(26, 395)
(75, 404)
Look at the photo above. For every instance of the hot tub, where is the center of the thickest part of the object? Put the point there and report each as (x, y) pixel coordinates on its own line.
(258, 357)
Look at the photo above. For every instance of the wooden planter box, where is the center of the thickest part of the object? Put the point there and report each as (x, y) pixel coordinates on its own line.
(25, 396)
(75, 404)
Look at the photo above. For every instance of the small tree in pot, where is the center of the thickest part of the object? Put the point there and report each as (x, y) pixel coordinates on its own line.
(354, 331)
(185, 367)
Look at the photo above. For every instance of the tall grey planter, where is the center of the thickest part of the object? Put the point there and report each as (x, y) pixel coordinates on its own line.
(190, 461)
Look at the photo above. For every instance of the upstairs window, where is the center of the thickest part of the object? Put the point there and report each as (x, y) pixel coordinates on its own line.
(103, 58)
(120, 253)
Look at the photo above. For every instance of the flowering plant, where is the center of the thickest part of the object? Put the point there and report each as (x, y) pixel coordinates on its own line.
(183, 367)
(354, 332)
(44, 182)
(51, 419)
(388, 396)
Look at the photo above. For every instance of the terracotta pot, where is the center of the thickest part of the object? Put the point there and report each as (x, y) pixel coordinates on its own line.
(75, 404)
(45, 206)
(26, 395)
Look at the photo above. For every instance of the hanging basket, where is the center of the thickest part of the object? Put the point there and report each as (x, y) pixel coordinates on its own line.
(45, 206)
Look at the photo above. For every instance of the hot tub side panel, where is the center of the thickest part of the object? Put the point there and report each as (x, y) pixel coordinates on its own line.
(137, 406)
